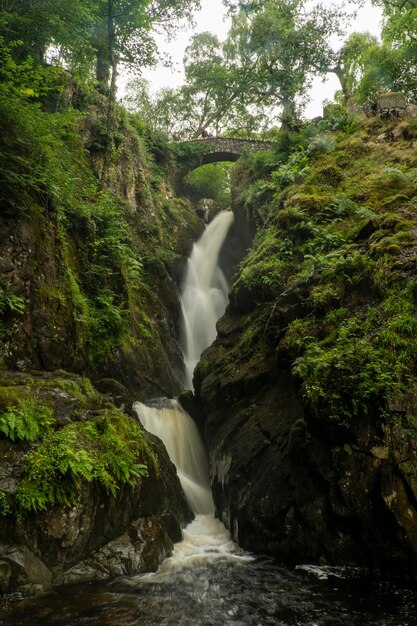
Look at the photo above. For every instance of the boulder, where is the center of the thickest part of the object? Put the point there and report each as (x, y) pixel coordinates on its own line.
(391, 105)
(207, 209)
(101, 535)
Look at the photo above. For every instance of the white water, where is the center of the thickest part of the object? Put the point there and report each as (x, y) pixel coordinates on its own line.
(205, 540)
(176, 428)
(204, 293)
(203, 301)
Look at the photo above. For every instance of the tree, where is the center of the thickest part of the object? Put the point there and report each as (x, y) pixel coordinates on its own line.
(39, 24)
(392, 64)
(124, 31)
(292, 43)
(216, 95)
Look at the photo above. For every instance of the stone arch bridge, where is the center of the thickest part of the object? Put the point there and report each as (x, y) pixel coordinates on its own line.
(195, 152)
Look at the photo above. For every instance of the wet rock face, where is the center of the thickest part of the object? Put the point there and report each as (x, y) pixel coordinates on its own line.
(45, 333)
(40, 337)
(289, 486)
(101, 536)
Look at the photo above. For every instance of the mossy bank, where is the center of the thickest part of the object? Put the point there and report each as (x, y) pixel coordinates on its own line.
(309, 392)
(85, 492)
(92, 246)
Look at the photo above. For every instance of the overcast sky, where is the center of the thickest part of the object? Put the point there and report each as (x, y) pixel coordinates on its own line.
(212, 17)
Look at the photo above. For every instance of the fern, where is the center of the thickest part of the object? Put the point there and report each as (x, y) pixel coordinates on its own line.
(5, 507)
(27, 420)
(107, 450)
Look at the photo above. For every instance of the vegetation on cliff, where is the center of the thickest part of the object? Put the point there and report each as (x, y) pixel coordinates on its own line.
(315, 361)
(107, 244)
(337, 216)
(92, 242)
(98, 443)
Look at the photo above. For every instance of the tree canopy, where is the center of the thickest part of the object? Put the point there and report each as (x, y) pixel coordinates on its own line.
(95, 35)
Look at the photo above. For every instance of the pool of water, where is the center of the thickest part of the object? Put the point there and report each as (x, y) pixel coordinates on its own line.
(226, 592)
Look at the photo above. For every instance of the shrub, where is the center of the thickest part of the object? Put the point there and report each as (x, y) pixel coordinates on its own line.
(109, 450)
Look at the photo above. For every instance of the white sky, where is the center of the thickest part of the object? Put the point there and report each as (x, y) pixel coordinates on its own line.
(212, 17)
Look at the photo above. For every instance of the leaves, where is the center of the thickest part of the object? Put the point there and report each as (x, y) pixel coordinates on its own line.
(28, 420)
(109, 450)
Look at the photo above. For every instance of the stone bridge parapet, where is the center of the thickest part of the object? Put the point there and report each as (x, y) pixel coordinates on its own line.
(196, 152)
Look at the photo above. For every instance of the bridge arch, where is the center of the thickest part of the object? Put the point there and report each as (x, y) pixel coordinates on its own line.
(196, 152)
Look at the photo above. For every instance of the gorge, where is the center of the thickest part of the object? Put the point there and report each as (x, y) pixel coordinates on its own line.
(208, 579)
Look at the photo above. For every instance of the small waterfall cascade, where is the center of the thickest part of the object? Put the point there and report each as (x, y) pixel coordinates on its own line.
(205, 540)
(204, 293)
(168, 420)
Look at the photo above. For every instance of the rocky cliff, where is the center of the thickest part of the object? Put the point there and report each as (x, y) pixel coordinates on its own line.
(309, 390)
(90, 263)
(92, 245)
(84, 492)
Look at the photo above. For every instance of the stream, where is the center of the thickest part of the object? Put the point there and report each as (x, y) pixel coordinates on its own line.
(209, 580)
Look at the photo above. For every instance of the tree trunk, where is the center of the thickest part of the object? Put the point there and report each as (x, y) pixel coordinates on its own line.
(111, 119)
(112, 55)
(99, 41)
(103, 67)
(288, 116)
(338, 71)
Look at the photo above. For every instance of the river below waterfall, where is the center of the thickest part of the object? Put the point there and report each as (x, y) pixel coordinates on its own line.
(226, 592)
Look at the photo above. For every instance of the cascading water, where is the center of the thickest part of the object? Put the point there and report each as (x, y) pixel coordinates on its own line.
(166, 419)
(204, 293)
(203, 300)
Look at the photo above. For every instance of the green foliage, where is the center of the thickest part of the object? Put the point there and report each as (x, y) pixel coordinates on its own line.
(5, 507)
(322, 143)
(27, 420)
(340, 263)
(11, 303)
(30, 141)
(262, 269)
(24, 79)
(337, 118)
(291, 171)
(343, 380)
(109, 450)
(340, 208)
(210, 181)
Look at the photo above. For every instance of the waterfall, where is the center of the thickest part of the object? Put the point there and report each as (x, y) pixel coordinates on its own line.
(166, 419)
(203, 301)
(204, 293)
(205, 540)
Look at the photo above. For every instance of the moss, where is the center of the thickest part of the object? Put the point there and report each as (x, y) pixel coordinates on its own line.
(203, 368)
(97, 443)
(109, 450)
(351, 346)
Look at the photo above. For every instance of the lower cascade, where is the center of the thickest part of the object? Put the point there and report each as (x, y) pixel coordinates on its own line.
(206, 539)
(166, 419)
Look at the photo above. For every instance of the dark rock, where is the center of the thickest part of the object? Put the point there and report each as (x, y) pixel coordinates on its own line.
(285, 483)
(102, 536)
(207, 209)
(366, 230)
(5, 576)
(118, 394)
(190, 405)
